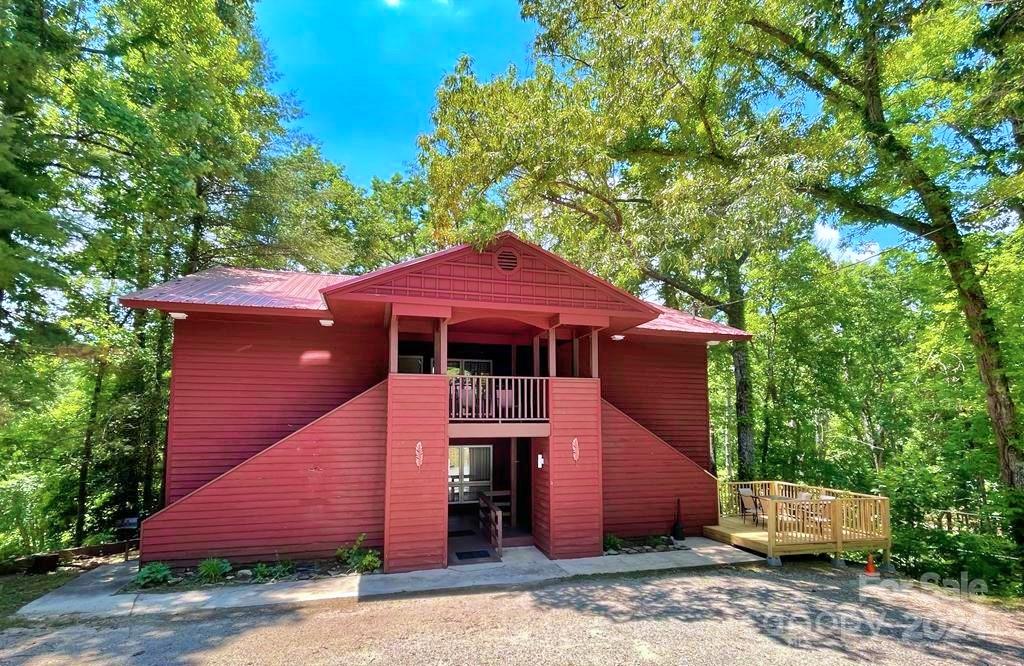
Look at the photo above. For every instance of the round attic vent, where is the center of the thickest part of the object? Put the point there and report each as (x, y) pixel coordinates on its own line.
(507, 260)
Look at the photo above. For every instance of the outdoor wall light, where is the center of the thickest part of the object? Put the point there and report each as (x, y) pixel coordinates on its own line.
(178, 315)
(327, 322)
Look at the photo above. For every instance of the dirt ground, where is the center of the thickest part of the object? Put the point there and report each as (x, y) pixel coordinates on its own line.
(798, 614)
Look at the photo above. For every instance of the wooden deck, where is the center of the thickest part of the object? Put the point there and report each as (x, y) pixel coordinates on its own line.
(815, 520)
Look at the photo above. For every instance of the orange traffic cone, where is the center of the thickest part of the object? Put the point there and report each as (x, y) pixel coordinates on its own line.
(870, 569)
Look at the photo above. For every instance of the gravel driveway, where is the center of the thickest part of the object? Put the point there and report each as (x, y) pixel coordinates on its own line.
(799, 614)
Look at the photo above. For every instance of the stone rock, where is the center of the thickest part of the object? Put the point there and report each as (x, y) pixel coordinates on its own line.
(612, 552)
(244, 574)
(174, 580)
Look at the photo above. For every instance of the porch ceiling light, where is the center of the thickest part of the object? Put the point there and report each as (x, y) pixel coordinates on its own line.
(178, 315)
(618, 338)
(327, 322)
(712, 343)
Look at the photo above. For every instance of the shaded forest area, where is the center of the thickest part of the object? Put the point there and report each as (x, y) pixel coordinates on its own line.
(703, 154)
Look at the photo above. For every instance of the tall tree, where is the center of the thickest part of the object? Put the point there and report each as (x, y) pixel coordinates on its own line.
(630, 162)
(35, 45)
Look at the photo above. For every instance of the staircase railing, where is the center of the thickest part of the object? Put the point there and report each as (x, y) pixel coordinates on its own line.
(491, 522)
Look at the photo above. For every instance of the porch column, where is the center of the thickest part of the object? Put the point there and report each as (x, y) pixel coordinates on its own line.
(536, 355)
(393, 345)
(552, 357)
(593, 353)
(575, 355)
(441, 350)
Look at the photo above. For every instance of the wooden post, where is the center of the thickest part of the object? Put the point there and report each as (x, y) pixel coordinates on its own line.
(536, 355)
(837, 525)
(393, 345)
(441, 360)
(513, 447)
(770, 523)
(593, 354)
(552, 353)
(575, 356)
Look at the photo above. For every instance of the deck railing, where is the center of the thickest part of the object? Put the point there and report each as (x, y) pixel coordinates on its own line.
(795, 514)
(497, 399)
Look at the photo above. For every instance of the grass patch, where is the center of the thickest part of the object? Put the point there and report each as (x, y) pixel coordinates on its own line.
(17, 590)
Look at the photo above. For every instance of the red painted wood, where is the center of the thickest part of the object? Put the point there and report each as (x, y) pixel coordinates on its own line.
(664, 387)
(238, 385)
(643, 475)
(416, 505)
(576, 502)
(464, 275)
(541, 495)
(303, 497)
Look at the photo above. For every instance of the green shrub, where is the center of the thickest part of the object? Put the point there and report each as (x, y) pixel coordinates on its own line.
(213, 570)
(153, 574)
(612, 542)
(264, 571)
(357, 558)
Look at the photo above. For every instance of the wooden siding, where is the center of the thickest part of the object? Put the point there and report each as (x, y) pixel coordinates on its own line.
(576, 503)
(240, 384)
(474, 277)
(664, 387)
(303, 497)
(540, 519)
(643, 476)
(416, 506)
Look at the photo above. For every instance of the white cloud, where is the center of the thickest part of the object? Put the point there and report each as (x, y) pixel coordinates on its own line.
(392, 3)
(829, 240)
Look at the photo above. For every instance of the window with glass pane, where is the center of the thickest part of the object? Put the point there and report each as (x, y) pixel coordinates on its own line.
(469, 473)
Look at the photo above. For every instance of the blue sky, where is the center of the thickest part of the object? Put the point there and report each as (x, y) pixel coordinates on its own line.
(365, 71)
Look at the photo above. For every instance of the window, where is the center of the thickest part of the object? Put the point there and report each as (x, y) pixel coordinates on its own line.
(469, 366)
(469, 473)
(410, 364)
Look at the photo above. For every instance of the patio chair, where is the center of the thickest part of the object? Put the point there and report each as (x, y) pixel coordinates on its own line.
(749, 505)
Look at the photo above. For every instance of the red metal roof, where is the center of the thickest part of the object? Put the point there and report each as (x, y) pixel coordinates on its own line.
(672, 321)
(276, 292)
(239, 287)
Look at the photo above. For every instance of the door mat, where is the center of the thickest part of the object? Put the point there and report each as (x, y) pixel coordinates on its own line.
(460, 533)
(471, 554)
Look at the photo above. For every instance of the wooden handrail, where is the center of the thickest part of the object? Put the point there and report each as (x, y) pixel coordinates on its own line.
(491, 522)
(497, 399)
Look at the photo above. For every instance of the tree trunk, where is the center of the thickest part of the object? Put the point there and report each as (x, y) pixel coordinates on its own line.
(86, 460)
(985, 340)
(154, 396)
(736, 315)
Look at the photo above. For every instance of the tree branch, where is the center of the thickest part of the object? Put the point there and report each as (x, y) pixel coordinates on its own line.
(683, 286)
(817, 56)
(848, 203)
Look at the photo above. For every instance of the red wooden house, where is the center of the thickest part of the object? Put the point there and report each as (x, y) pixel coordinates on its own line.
(307, 409)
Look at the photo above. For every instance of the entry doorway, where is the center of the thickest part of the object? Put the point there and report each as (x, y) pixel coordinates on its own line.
(497, 468)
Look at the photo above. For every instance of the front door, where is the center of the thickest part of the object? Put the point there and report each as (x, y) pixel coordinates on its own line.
(470, 472)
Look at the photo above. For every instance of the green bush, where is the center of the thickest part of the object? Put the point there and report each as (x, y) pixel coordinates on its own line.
(357, 558)
(264, 571)
(213, 570)
(153, 574)
(612, 542)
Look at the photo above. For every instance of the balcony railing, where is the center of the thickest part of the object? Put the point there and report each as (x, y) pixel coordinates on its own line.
(497, 399)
